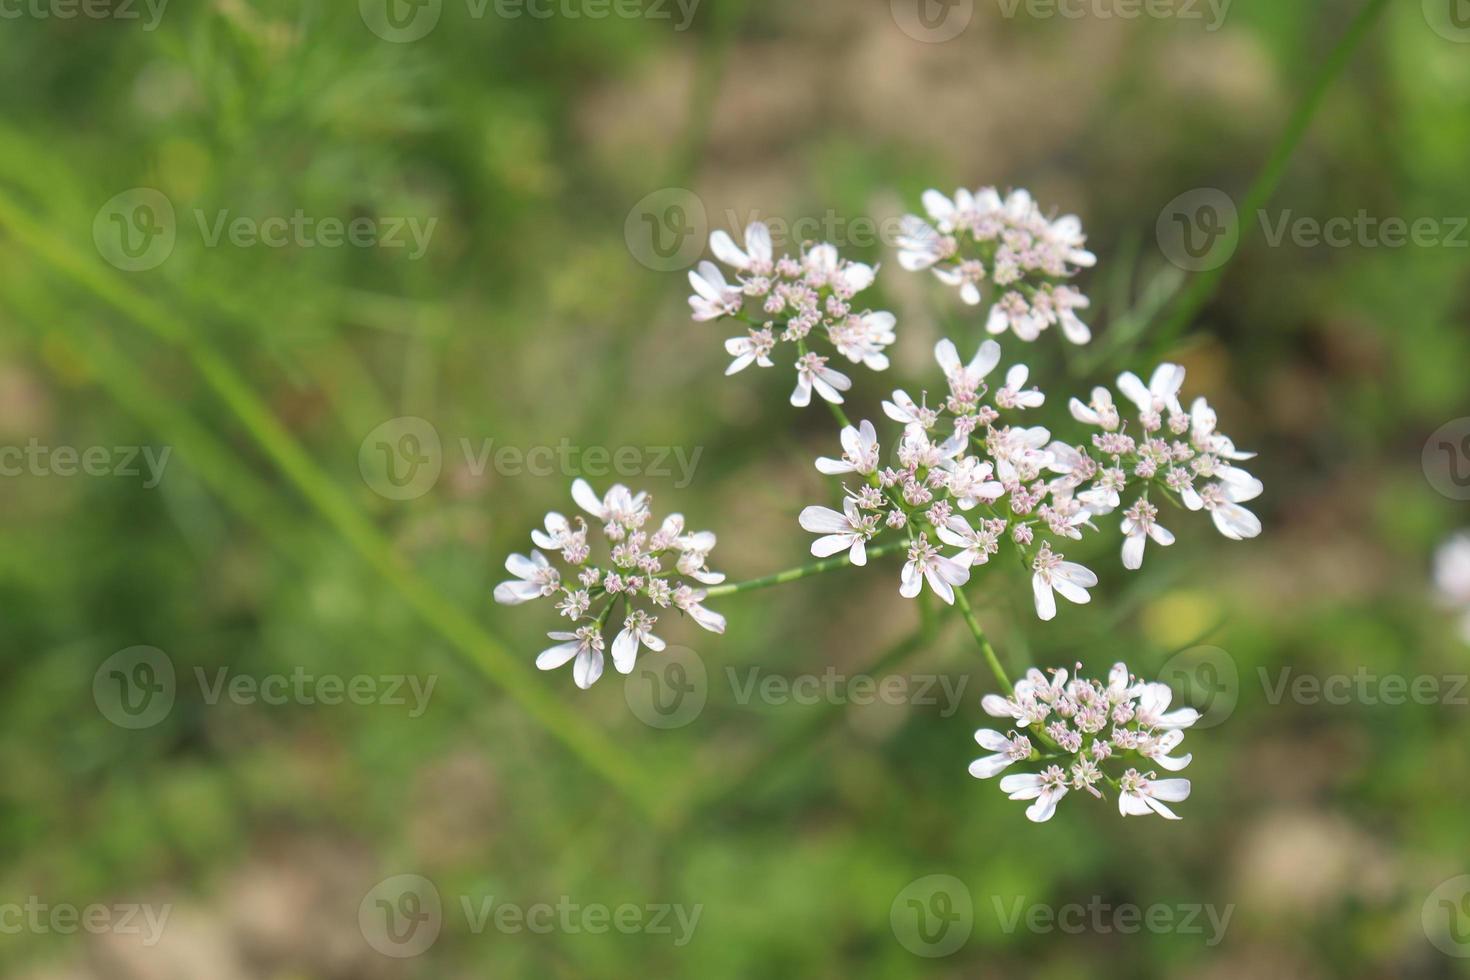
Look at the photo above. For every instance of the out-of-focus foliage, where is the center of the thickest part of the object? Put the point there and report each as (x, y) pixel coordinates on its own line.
(528, 321)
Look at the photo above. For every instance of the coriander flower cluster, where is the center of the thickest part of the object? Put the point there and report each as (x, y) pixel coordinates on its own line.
(1452, 578)
(969, 474)
(978, 241)
(1081, 734)
(629, 586)
(788, 300)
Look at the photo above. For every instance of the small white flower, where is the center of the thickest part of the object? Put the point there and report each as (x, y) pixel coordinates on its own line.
(913, 415)
(966, 378)
(1158, 748)
(689, 600)
(1066, 233)
(755, 348)
(1202, 422)
(1015, 394)
(859, 452)
(1161, 394)
(926, 564)
(1053, 575)
(713, 297)
(585, 645)
(1100, 411)
(1138, 526)
(694, 552)
(1452, 577)
(1019, 453)
(755, 258)
(1223, 501)
(619, 506)
(1047, 788)
(919, 245)
(637, 629)
(826, 268)
(535, 578)
(971, 482)
(1153, 709)
(1142, 795)
(977, 545)
(812, 372)
(847, 531)
(1007, 752)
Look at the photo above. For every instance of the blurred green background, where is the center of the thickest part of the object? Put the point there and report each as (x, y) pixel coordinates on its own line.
(271, 547)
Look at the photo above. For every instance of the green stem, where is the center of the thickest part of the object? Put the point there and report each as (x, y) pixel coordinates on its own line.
(985, 648)
(1203, 287)
(476, 645)
(792, 574)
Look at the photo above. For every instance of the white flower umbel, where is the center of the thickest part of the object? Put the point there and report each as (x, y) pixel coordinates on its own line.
(968, 474)
(641, 569)
(796, 299)
(983, 244)
(1082, 734)
(1452, 578)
